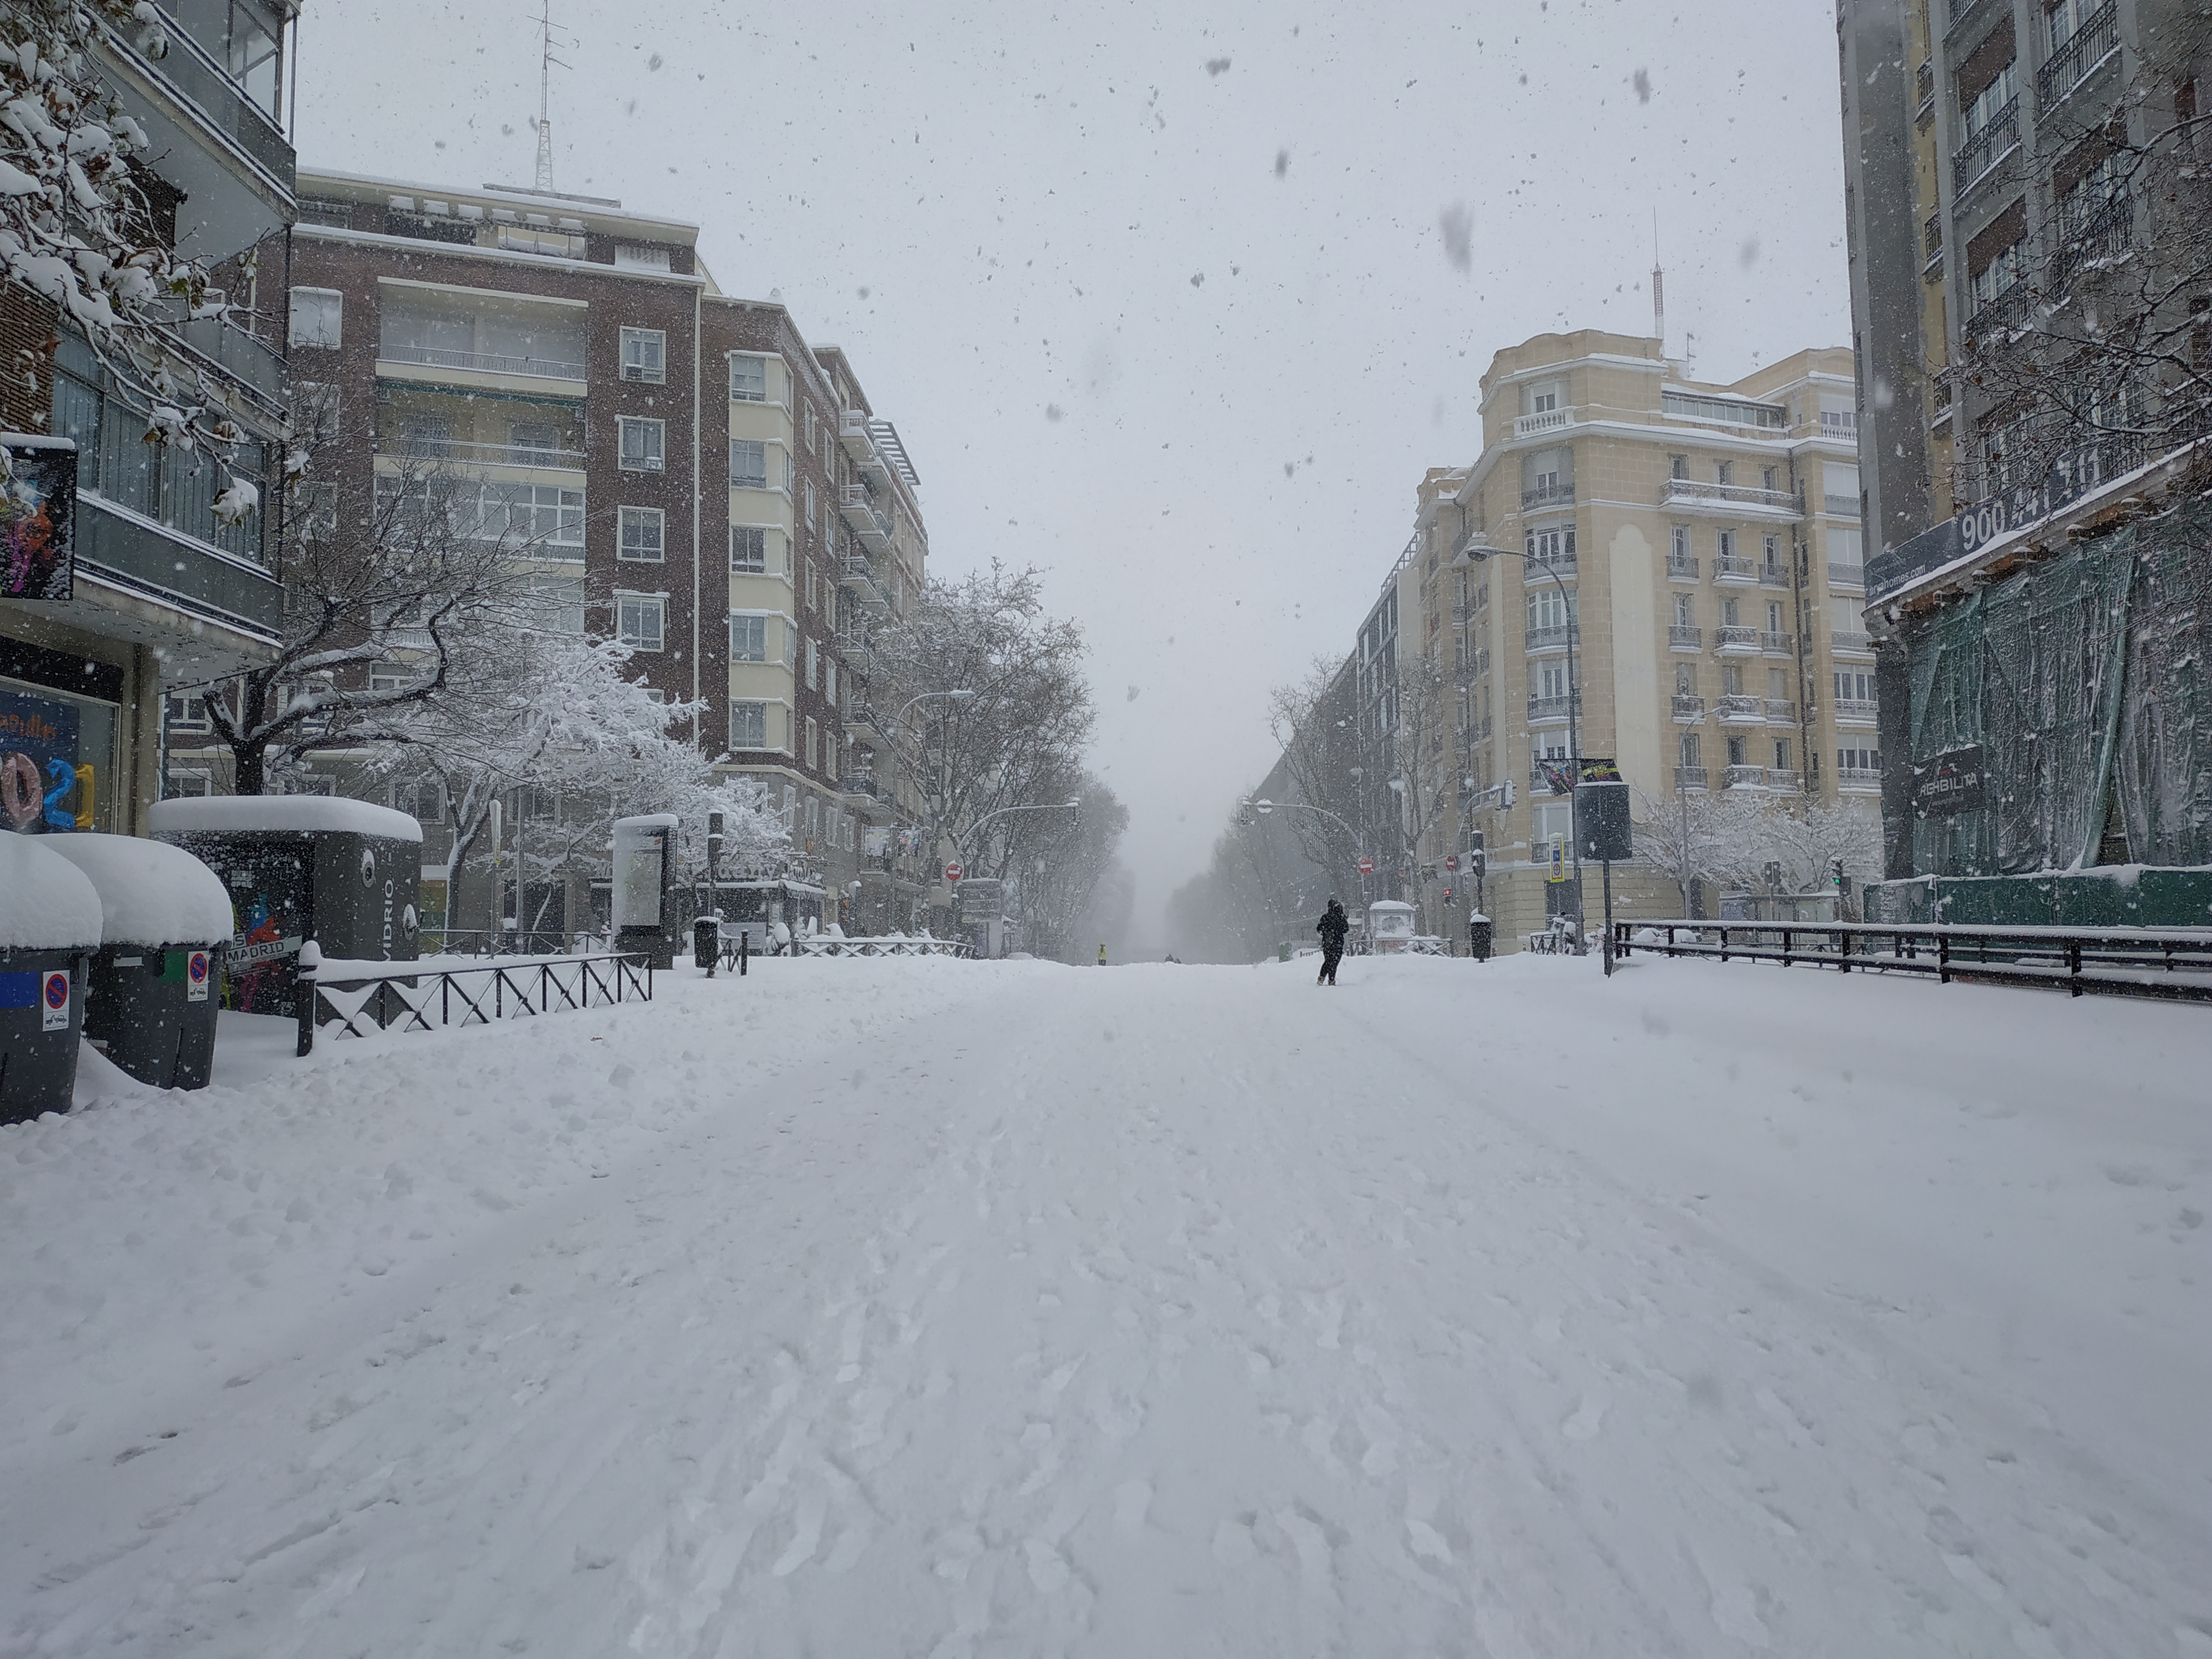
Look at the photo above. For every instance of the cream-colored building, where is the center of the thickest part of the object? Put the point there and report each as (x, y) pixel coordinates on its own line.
(1698, 548)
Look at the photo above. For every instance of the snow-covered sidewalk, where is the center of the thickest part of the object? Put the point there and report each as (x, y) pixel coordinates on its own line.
(949, 1308)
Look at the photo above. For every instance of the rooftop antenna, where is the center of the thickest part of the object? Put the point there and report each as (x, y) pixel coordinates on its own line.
(1658, 289)
(546, 61)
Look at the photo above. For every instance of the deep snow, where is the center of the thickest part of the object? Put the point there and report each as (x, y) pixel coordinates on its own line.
(920, 1306)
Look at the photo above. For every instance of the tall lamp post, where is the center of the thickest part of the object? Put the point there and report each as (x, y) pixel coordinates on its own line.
(1264, 807)
(1478, 554)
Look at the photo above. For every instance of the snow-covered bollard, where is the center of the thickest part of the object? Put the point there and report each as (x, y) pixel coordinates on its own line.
(309, 964)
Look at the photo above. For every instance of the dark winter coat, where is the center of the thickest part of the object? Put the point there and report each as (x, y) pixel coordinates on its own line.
(1331, 927)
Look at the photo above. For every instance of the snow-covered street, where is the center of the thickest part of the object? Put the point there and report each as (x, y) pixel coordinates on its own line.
(926, 1307)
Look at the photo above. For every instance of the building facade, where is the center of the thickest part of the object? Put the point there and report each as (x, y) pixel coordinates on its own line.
(1685, 600)
(693, 480)
(166, 594)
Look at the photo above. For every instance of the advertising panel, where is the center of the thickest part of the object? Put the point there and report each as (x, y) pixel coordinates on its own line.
(46, 787)
(38, 520)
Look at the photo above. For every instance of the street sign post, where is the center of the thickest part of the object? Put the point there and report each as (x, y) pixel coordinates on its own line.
(1451, 863)
(952, 871)
(1366, 867)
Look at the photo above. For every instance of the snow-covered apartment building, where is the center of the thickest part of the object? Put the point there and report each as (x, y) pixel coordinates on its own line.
(1705, 540)
(702, 484)
(162, 595)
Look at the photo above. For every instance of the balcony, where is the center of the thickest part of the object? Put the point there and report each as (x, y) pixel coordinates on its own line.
(1972, 160)
(1784, 777)
(1690, 777)
(2000, 311)
(1844, 642)
(480, 362)
(1776, 644)
(1679, 638)
(1543, 710)
(1732, 572)
(1681, 568)
(1842, 507)
(859, 513)
(1562, 561)
(1731, 640)
(236, 352)
(1780, 711)
(2097, 38)
(1722, 412)
(1846, 575)
(1858, 780)
(852, 433)
(1844, 423)
(1774, 575)
(193, 73)
(453, 452)
(1552, 638)
(1699, 496)
(858, 577)
(1737, 709)
(863, 784)
(1854, 711)
(1744, 777)
(1549, 494)
(1548, 420)
(1688, 710)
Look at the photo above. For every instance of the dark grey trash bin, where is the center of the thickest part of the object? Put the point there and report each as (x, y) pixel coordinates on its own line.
(151, 993)
(707, 942)
(49, 924)
(1477, 931)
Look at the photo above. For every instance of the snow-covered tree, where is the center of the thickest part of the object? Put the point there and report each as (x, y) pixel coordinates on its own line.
(1057, 867)
(1744, 841)
(79, 226)
(1315, 719)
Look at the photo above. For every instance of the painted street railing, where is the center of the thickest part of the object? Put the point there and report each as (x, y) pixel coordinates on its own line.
(359, 998)
(895, 944)
(2144, 961)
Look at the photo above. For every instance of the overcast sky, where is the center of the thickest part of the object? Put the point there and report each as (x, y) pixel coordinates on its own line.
(1160, 294)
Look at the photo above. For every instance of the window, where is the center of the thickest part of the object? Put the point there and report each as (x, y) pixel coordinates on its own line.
(1554, 546)
(1551, 681)
(557, 603)
(1546, 397)
(1992, 101)
(1681, 544)
(748, 549)
(421, 799)
(1778, 685)
(1685, 614)
(1686, 680)
(188, 782)
(749, 379)
(1546, 609)
(1686, 747)
(644, 444)
(390, 677)
(1782, 754)
(1724, 472)
(1769, 551)
(1770, 480)
(546, 516)
(810, 507)
(1726, 545)
(186, 711)
(1849, 760)
(634, 256)
(1550, 818)
(318, 317)
(1853, 687)
(748, 464)
(645, 354)
(539, 435)
(639, 621)
(1732, 680)
(813, 758)
(1774, 615)
(813, 594)
(749, 638)
(1737, 750)
(790, 645)
(813, 665)
(1678, 467)
(644, 535)
(830, 679)
(748, 726)
(1996, 279)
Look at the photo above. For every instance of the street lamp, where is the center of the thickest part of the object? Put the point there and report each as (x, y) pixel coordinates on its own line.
(1477, 555)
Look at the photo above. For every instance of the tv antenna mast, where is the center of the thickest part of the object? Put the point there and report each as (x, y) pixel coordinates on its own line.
(546, 61)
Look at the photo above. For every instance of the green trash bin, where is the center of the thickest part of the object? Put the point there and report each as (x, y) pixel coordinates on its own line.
(49, 923)
(151, 993)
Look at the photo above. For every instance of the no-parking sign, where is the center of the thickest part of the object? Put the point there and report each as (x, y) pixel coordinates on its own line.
(196, 978)
(53, 1001)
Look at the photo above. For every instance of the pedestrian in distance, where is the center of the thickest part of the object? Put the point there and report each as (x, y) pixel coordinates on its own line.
(1331, 927)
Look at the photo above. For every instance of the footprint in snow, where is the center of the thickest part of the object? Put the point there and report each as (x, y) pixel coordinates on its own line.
(1588, 1418)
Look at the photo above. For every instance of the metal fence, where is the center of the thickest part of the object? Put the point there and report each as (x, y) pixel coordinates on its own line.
(362, 997)
(2150, 962)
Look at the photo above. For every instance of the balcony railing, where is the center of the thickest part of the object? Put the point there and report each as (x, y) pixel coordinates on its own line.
(462, 453)
(1846, 575)
(1554, 709)
(2089, 231)
(1679, 638)
(1744, 777)
(1784, 777)
(1858, 778)
(2096, 39)
(1729, 637)
(1690, 777)
(1985, 148)
(1780, 711)
(1776, 644)
(1739, 709)
(1550, 495)
(1554, 638)
(1774, 575)
(1854, 711)
(2001, 311)
(1724, 411)
(193, 72)
(1693, 490)
(1844, 422)
(1562, 562)
(483, 362)
(1844, 639)
(1681, 568)
(1844, 506)
(1547, 420)
(235, 351)
(1726, 567)
(1688, 710)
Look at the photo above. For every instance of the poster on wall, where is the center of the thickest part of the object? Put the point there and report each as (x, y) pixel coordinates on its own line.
(44, 788)
(37, 518)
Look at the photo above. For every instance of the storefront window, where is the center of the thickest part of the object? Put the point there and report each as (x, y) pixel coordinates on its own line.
(57, 761)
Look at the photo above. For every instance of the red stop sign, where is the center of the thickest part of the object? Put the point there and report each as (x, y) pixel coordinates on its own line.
(1367, 867)
(953, 872)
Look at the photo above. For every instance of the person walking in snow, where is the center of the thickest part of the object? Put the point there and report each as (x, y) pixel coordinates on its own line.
(1331, 927)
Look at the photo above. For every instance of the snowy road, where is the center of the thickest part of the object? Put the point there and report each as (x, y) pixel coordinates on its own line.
(946, 1308)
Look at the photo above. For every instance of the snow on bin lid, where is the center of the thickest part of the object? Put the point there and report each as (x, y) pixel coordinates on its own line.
(150, 893)
(46, 902)
(199, 813)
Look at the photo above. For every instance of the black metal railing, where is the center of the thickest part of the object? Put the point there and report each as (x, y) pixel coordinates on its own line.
(359, 998)
(1986, 147)
(2089, 45)
(2149, 962)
